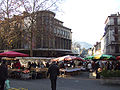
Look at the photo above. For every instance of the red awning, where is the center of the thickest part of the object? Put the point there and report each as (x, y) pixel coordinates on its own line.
(13, 54)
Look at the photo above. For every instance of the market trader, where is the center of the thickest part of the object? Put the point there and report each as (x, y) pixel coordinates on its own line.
(53, 71)
(3, 74)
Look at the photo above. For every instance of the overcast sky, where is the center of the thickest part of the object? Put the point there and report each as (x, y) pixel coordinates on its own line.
(86, 17)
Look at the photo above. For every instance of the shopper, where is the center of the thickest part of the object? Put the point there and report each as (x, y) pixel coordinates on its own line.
(3, 74)
(53, 71)
(96, 70)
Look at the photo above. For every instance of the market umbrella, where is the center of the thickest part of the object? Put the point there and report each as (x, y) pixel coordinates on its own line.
(79, 58)
(13, 54)
(74, 58)
(89, 57)
(97, 56)
(104, 57)
(118, 58)
(59, 58)
(67, 58)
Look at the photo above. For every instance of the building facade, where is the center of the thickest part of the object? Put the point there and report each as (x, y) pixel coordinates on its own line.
(49, 37)
(96, 48)
(112, 35)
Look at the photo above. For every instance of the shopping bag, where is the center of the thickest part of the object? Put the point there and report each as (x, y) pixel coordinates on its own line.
(7, 84)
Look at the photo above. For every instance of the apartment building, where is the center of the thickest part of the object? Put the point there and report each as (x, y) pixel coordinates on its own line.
(112, 35)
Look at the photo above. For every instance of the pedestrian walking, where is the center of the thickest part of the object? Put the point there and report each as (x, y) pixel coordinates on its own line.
(96, 70)
(3, 74)
(53, 71)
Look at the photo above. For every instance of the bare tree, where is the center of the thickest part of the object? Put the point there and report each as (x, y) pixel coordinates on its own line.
(8, 8)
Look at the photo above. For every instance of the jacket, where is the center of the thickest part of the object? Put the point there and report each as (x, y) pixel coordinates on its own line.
(53, 71)
(3, 72)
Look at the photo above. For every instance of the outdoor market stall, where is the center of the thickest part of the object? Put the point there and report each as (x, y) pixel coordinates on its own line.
(19, 65)
(71, 72)
(69, 65)
(103, 62)
(14, 65)
(36, 65)
(37, 69)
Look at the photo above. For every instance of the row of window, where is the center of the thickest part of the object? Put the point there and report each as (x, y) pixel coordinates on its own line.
(114, 21)
(62, 33)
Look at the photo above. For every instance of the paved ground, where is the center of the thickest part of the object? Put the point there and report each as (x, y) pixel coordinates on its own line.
(81, 82)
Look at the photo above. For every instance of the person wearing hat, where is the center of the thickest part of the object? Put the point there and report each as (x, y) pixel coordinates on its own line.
(3, 74)
(53, 71)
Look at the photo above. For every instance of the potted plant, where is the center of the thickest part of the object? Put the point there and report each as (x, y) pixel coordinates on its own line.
(110, 73)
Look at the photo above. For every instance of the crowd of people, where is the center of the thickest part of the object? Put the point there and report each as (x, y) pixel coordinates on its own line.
(69, 64)
(98, 66)
(53, 71)
(108, 65)
(53, 68)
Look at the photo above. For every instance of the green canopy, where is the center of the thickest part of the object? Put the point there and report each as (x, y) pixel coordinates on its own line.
(108, 57)
(100, 57)
(104, 57)
(88, 57)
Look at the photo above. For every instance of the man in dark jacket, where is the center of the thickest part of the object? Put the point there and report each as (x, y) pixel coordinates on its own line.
(3, 74)
(96, 70)
(53, 71)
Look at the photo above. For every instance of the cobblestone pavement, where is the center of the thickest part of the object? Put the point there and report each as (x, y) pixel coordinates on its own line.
(81, 82)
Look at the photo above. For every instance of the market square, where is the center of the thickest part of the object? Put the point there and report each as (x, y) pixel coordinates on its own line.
(59, 45)
(81, 82)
